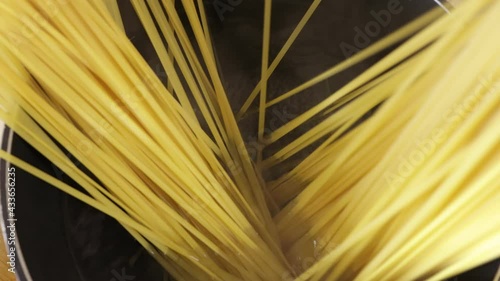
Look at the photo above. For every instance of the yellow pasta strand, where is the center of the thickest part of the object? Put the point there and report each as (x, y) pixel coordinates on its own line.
(409, 193)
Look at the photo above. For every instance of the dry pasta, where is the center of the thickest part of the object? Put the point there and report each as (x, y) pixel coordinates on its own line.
(411, 193)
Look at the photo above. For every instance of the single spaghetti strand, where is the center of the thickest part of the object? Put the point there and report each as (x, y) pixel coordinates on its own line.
(264, 64)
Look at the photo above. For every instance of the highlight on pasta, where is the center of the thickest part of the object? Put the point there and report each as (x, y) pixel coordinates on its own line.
(410, 193)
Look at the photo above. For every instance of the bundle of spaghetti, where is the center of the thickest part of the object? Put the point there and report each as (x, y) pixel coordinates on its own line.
(350, 105)
(414, 193)
(292, 183)
(352, 94)
(208, 93)
(410, 193)
(71, 69)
